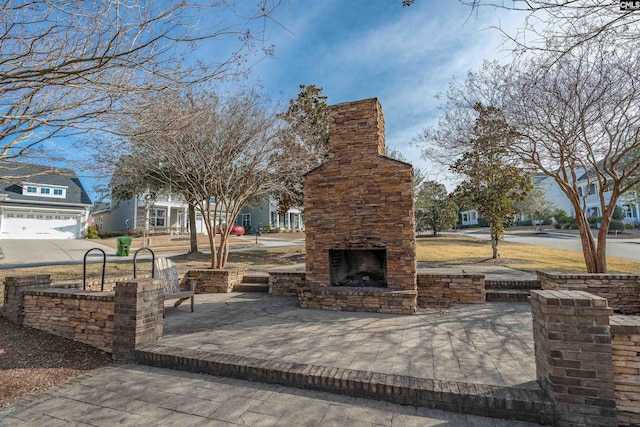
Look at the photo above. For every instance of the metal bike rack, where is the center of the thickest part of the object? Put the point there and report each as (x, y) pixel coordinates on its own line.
(84, 268)
(153, 264)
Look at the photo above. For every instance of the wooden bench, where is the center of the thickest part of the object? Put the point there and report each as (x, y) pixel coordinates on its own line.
(167, 270)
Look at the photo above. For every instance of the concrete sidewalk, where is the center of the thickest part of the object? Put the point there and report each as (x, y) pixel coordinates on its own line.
(135, 395)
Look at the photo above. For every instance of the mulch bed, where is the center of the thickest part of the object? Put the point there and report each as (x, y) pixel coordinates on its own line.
(33, 361)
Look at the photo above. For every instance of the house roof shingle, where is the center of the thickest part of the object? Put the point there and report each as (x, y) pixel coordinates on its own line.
(13, 174)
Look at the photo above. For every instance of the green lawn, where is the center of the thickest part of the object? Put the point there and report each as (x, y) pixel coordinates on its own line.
(465, 250)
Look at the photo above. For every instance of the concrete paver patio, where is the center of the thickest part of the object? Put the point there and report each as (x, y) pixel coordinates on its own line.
(489, 344)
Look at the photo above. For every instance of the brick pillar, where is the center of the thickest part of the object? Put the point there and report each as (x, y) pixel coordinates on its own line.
(137, 319)
(14, 288)
(574, 365)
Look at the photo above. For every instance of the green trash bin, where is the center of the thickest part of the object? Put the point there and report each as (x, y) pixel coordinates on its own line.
(124, 246)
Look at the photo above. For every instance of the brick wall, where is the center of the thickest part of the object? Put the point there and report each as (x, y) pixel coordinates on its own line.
(138, 316)
(625, 343)
(359, 199)
(216, 281)
(573, 352)
(286, 283)
(447, 289)
(81, 316)
(622, 291)
(358, 299)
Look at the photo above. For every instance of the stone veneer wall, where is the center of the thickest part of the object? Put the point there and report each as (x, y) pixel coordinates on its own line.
(14, 288)
(286, 283)
(359, 199)
(573, 352)
(216, 280)
(86, 316)
(448, 289)
(625, 343)
(119, 321)
(622, 291)
(358, 299)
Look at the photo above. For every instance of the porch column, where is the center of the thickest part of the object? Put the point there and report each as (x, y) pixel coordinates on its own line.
(168, 221)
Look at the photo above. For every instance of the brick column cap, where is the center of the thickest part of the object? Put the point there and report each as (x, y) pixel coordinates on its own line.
(568, 298)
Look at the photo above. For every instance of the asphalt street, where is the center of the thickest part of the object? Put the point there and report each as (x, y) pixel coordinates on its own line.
(618, 248)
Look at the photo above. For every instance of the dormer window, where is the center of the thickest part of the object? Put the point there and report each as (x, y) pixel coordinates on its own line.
(44, 190)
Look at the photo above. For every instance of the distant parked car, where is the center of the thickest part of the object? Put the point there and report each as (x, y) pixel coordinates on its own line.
(237, 230)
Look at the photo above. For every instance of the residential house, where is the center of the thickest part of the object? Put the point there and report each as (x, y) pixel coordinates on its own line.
(468, 218)
(588, 190)
(165, 213)
(263, 215)
(40, 202)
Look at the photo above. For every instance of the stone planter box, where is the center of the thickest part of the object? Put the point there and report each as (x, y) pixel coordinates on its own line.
(216, 280)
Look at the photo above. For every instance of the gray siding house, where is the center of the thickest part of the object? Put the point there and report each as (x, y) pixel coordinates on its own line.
(263, 215)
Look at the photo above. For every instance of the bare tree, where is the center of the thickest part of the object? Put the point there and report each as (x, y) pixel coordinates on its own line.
(218, 152)
(568, 118)
(559, 26)
(64, 64)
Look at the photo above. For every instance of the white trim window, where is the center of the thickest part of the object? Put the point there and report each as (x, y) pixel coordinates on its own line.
(246, 220)
(158, 218)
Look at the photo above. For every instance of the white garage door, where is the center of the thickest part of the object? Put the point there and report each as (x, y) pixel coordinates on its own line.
(23, 225)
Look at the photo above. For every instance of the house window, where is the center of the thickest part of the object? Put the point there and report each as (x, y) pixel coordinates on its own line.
(44, 190)
(32, 189)
(10, 215)
(57, 192)
(592, 189)
(580, 193)
(631, 212)
(246, 220)
(465, 217)
(157, 218)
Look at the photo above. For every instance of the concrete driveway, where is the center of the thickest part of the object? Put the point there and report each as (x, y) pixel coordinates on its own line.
(27, 253)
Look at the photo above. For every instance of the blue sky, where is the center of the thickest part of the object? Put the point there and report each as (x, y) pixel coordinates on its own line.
(361, 49)
(357, 49)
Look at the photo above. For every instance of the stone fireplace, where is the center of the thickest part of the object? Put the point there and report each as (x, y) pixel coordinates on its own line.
(359, 219)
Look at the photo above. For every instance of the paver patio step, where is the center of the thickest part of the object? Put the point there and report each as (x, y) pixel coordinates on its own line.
(251, 287)
(512, 284)
(256, 278)
(508, 295)
(525, 404)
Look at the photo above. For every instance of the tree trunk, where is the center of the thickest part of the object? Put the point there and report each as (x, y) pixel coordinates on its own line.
(193, 232)
(494, 243)
(588, 244)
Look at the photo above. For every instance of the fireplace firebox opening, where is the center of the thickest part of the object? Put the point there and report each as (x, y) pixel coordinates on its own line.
(358, 268)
